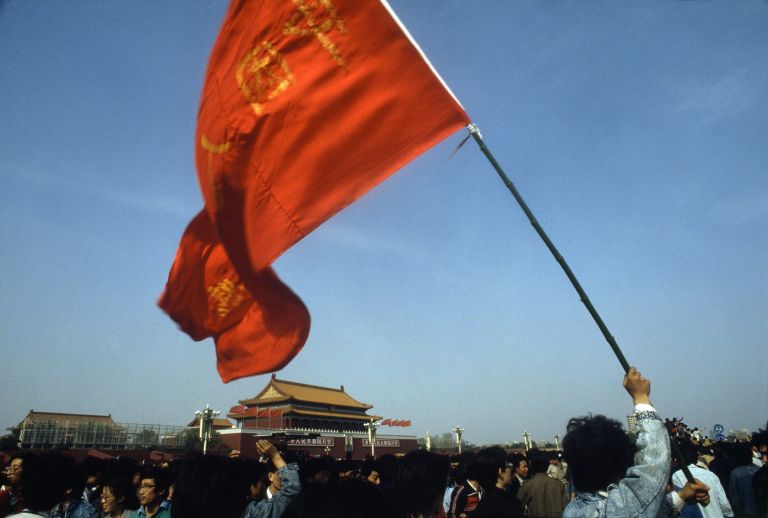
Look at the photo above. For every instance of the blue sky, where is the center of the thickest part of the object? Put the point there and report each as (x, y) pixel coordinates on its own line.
(637, 132)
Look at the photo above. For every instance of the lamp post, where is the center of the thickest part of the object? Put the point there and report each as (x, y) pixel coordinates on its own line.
(205, 418)
(371, 426)
(458, 431)
(557, 441)
(526, 438)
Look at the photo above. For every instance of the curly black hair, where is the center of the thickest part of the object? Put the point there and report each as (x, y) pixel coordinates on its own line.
(598, 451)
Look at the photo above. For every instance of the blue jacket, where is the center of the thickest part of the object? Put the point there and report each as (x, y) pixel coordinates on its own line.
(642, 492)
(78, 509)
(275, 507)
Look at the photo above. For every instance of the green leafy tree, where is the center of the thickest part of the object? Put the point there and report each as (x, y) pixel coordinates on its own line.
(8, 441)
(189, 440)
(146, 438)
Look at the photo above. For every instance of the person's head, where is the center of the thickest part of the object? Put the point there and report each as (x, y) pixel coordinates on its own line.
(137, 475)
(688, 451)
(760, 442)
(387, 465)
(43, 481)
(256, 477)
(538, 463)
(318, 470)
(16, 468)
(490, 468)
(420, 482)
(273, 478)
(118, 495)
(519, 465)
(93, 469)
(351, 498)
(74, 480)
(598, 452)
(742, 453)
(153, 488)
(210, 486)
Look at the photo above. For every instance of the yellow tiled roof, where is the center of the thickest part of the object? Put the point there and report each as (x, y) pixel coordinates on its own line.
(218, 422)
(281, 390)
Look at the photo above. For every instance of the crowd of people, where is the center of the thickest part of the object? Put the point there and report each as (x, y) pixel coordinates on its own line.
(601, 471)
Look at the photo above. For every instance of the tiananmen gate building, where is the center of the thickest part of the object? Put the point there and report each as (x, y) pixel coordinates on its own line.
(319, 420)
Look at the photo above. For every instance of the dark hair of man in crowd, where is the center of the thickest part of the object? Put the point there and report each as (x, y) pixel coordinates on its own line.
(457, 474)
(256, 477)
(159, 476)
(688, 450)
(353, 498)
(43, 481)
(122, 489)
(93, 466)
(208, 486)
(420, 482)
(74, 478)
(598, 452)
(760, 438)
(742, 453)
(538, 463)
(387, 468)
(485, 468)
(318, 470)
(24, 456)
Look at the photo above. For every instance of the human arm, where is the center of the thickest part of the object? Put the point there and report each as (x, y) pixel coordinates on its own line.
(267, 449)
(638, 387)
(642, 490)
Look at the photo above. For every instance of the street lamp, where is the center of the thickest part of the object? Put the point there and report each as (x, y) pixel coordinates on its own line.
(526, 438)
(458, 431)
(371, 426)
(557, 441)
(205, 418)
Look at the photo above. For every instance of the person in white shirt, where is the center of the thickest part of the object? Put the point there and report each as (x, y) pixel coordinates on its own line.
(719, 506)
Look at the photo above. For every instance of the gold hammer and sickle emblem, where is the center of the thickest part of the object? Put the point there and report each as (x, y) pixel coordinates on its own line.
(262, 75)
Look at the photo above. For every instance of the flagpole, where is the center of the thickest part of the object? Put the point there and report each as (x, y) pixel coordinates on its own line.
(475, 132)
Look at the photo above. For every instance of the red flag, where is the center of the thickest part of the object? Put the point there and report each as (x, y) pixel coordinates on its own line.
(257, 322)
(306, 106)
(386, 422)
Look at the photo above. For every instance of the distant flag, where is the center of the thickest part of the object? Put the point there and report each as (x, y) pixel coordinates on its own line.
(306, 106)
(396, 422)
